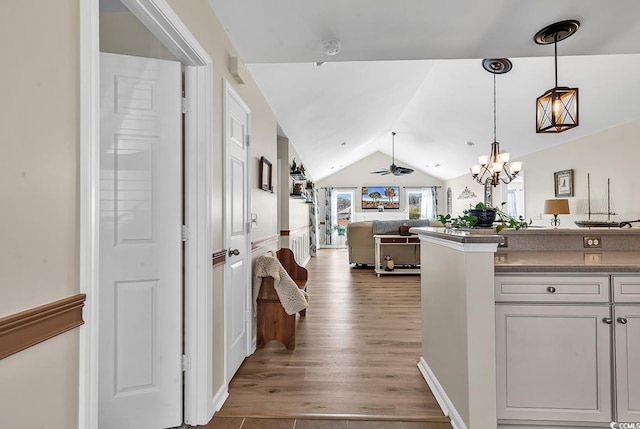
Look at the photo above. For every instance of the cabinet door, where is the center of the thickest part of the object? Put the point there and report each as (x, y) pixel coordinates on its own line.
(627, 328)
(553, 362)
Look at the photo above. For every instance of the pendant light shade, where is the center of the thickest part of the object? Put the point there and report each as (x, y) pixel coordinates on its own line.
(557, 109)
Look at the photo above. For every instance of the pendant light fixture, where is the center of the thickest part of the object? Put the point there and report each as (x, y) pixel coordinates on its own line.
(557, 109)
(495, 168)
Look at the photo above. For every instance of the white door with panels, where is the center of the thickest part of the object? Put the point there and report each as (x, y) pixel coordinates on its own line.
(237, 285)
(140, 291)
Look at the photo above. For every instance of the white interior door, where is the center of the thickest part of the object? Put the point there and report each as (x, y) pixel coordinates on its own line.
(140, 327)
(238, 267)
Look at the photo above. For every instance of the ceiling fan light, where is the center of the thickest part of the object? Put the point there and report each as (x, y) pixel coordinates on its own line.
(557, 110)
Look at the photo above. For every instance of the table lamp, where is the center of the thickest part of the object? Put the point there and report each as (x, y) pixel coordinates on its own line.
(556, 207)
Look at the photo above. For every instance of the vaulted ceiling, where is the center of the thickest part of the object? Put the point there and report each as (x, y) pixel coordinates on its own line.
(414, 67)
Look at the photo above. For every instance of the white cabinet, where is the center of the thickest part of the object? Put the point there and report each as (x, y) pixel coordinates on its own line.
(565, 351)
(626, 323)
(627, 341)
(553, 362)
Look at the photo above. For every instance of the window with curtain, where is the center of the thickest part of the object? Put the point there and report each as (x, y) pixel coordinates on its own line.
(421, 203)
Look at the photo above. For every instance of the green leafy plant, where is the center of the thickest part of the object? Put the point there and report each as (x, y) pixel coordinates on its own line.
(467, 220)
(340, 229)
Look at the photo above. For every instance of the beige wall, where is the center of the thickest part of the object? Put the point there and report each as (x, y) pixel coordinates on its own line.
(612, 153)
(38, 221)
(122, 33)
(39, 184)
(38, 158)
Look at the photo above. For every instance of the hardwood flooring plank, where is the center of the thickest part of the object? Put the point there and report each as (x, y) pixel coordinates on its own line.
(356, 356)
(224, 423)
(253, 423)
(321, 424)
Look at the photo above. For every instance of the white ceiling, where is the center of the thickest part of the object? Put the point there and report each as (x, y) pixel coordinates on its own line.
(414, 67)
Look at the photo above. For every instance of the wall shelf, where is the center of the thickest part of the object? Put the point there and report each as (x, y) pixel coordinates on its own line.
(297, 175)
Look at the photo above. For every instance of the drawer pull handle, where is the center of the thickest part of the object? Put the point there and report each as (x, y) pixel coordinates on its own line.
(622, 320)
(607, 320)
(551, 289)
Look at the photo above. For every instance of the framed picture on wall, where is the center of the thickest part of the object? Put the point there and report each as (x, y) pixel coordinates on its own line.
(563, 183)
(380, 197)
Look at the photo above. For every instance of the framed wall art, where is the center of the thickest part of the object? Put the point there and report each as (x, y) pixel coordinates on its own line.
(376, 197)
(266, 175)
(563, 183)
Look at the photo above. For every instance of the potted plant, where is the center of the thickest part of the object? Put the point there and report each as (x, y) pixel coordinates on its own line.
(483, 216)
(340, 229)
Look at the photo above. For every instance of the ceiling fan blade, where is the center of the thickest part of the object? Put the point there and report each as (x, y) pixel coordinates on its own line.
(401, 171)
(380, 172)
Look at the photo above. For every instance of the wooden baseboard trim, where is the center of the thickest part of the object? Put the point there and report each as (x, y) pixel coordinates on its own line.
(219, 257)
(289, 232)
(264, 242)
(22, 330)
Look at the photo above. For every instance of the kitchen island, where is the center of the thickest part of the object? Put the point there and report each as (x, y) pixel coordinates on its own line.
(529, 335)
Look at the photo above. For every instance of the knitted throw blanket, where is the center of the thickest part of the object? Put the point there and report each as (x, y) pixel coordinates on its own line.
(292, 298)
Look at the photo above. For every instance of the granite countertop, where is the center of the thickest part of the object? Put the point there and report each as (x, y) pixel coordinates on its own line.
(534, 250)
(459, 235)
(567, 261)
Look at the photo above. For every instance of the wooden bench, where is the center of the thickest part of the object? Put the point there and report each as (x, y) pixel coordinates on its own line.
(273, 322)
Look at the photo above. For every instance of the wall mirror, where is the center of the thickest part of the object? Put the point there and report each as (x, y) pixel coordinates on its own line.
(266, 175)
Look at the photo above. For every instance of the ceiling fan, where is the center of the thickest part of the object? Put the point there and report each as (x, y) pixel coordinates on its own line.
(394, 169)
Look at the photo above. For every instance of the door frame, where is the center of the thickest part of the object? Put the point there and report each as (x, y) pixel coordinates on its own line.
(229, 91)
(200, 402)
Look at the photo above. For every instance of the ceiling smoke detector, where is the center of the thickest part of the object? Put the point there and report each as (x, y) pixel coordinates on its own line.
(331, 47)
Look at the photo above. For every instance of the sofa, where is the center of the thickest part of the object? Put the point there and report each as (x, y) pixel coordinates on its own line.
(361, 244)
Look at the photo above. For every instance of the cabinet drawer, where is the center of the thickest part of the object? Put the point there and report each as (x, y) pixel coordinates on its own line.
(552, 289)
(402, 240)
(626, 289)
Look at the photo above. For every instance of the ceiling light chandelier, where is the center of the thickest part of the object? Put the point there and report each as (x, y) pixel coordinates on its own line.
(490, 168)
(557, 109)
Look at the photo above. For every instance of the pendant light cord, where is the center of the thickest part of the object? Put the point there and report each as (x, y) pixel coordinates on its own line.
(555, 55)
(494, 106)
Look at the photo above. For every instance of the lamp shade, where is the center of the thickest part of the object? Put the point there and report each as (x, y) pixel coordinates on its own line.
(556, 206)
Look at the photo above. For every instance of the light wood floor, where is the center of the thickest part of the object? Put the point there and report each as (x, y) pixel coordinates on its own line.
(355, 359)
